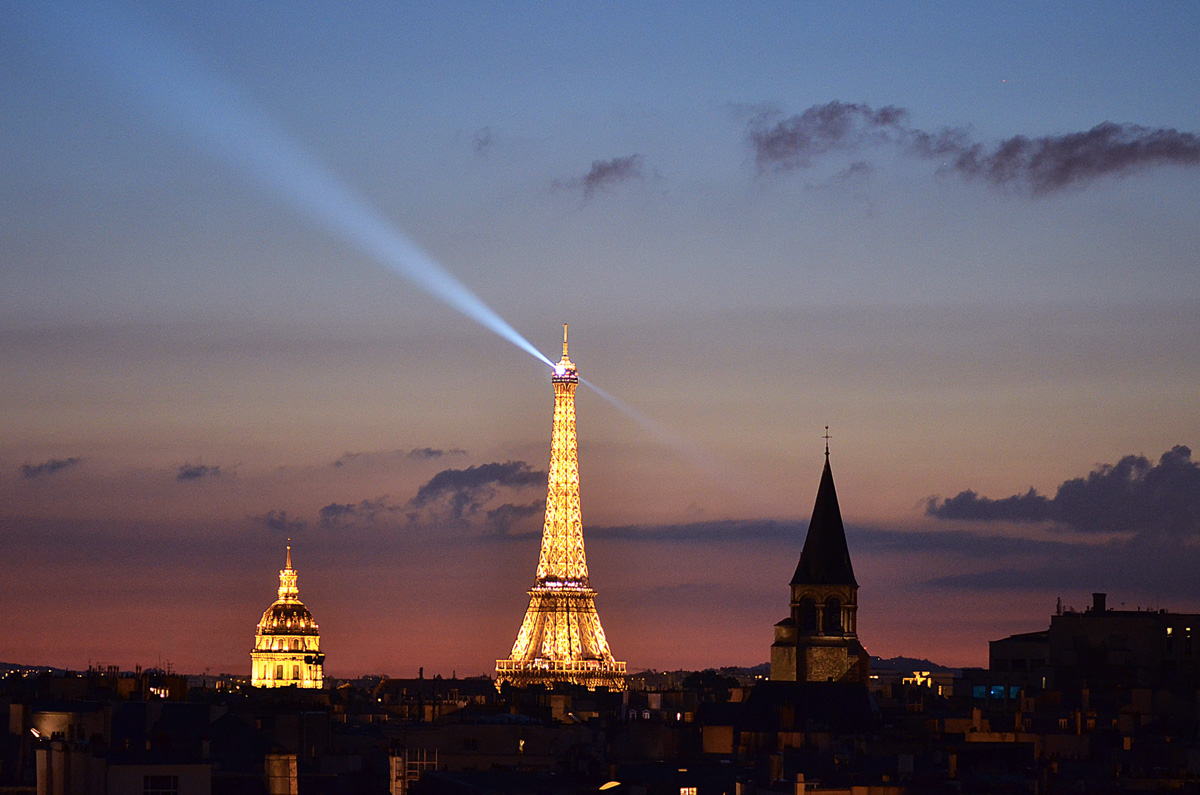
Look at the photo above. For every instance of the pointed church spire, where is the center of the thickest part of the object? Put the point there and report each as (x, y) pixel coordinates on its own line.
(825, 559)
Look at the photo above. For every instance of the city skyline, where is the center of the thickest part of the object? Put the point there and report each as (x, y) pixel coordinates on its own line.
(964, 239)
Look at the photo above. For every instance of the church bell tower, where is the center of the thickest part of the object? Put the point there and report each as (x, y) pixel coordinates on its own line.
(818, 642)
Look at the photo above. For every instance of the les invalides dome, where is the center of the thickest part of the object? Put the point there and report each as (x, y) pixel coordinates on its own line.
(287, 644)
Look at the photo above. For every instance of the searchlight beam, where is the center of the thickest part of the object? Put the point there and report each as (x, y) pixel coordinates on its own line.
(173, 89)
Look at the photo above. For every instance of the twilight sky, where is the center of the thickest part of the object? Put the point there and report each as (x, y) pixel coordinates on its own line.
(963, 236)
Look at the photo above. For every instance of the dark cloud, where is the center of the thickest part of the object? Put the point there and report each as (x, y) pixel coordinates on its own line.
(605, 173)
(959, 560)
(1050, 162)
(279, 522)
(416, 454)
(1132, 496)
(464, 491)
(1040, 164)
(868, 540)
(954, 542)
(337, 514)
(197, 472)
(508, 517)
(716, 530)
(482, 140)
(1140, 567)
(425, 453)
(856, 170)
(791, 143)
(1027, 507)
(47, 468)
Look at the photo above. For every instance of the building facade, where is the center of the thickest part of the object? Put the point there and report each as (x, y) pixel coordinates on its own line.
(1103, 648)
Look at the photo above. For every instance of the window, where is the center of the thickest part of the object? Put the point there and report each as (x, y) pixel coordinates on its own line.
(833, 616)
(279, 671)
(808, 615)
(160, 785)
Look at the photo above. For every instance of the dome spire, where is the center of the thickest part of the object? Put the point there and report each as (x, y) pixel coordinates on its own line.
(288, 592)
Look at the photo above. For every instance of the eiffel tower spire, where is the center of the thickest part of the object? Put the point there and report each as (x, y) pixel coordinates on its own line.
(561, 639)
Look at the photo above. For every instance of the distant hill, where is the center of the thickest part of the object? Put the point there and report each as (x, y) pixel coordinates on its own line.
(907, 664)
(5, 668)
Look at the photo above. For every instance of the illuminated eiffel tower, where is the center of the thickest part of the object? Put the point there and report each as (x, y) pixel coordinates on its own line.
(561, 639)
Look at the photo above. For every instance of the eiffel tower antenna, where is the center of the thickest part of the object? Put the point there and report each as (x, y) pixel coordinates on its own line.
(561, 639)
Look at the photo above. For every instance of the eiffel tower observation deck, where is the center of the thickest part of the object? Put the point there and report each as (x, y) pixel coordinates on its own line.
(561, 639)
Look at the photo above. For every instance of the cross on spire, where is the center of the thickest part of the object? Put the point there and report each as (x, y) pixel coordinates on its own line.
(827, 437)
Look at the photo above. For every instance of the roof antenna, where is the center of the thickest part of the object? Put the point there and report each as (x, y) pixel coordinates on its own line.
(827, 437)
(564, 340)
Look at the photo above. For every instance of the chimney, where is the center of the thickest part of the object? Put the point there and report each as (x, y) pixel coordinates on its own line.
(1098, 602)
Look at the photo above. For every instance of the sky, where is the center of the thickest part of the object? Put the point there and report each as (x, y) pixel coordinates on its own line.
(274, 271)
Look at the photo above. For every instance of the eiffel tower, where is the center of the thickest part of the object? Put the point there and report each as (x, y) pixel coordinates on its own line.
(561, 639)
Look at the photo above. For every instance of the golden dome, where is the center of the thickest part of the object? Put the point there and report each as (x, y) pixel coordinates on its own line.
(287, 618)
(287, 646)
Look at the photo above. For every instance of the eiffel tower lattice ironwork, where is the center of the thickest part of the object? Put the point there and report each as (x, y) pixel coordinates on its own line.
(561, 639)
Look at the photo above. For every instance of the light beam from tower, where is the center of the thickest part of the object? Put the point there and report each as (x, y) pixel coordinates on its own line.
(171, 89)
